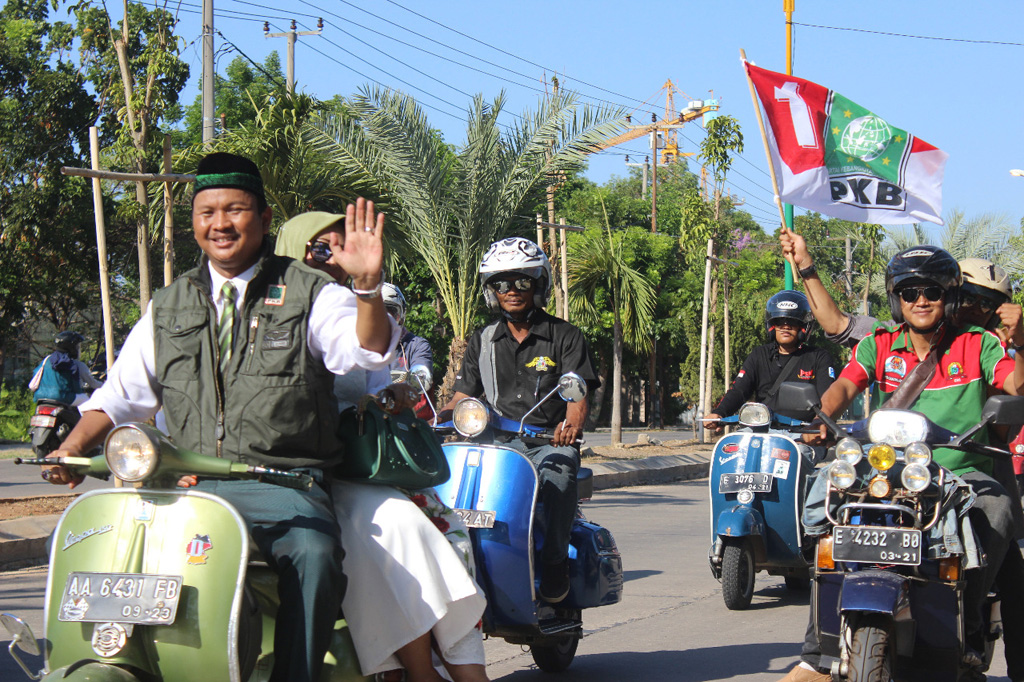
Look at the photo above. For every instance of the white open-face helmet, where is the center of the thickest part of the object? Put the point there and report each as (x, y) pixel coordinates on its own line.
(394, 301)
(516, 255)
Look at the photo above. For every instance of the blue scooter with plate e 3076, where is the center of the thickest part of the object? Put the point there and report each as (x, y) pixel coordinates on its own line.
(756, 483)
(494, 488)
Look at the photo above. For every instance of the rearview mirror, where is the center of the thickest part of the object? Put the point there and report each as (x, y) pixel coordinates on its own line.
(572, 388)
(21, 634)
(421, 377)
(797, 399)
(1003, 410)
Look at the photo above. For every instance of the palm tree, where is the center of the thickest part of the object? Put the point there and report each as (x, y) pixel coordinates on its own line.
(453, 202)
(597, 264)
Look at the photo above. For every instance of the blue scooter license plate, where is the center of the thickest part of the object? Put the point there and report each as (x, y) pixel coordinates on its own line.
(755, 483)
(141, 598)
(875, 545)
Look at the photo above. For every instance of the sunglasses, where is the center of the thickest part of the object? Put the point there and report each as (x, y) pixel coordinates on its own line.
(911, 294)
(319, 251)
(983, 304)
(503, 286)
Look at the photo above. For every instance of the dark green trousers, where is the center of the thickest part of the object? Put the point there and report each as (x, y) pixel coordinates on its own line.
(297, 534)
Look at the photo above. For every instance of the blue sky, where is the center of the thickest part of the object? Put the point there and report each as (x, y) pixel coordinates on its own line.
(964, 97)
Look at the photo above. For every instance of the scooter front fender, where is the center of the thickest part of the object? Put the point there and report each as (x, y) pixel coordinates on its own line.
(876, 592)
(739, 522)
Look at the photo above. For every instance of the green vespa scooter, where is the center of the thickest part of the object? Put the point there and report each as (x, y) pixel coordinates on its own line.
(156, 583)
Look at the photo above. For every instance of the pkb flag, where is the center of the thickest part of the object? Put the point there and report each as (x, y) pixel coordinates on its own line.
(836, 157)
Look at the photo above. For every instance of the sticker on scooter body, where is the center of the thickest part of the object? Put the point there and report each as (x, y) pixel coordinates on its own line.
(142, 598)
(474, 518)
(875, 545)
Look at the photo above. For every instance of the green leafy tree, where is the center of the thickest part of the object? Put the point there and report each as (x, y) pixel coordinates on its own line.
(598, 263)
(235, 92)
(47, 257)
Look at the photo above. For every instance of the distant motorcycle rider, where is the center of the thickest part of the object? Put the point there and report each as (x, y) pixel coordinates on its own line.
(514, 362)
(61, 376)
(786, 357)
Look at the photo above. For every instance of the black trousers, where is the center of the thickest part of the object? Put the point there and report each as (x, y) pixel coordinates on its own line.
(298, 535)
(557, 468)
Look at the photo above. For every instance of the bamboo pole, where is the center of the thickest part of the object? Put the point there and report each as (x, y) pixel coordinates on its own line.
(701, 411)
(168, 216)
(101, 247)
(126, 177)
(565, 268)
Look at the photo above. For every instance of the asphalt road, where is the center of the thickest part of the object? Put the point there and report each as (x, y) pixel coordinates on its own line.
(670, 625)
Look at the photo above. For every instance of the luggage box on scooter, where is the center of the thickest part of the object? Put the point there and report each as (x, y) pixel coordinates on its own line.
(595, 573)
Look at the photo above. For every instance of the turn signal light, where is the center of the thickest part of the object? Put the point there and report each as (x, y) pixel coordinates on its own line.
(882, 457)
(949, 568)
(825, 559)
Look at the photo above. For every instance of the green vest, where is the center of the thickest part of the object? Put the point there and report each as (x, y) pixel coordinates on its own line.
(275, 405)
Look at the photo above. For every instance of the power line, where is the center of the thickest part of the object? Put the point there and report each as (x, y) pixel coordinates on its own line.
(910, 35)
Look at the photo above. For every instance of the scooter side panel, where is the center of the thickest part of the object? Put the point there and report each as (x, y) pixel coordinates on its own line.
(779, 509)
(189, 534)
(498, 479)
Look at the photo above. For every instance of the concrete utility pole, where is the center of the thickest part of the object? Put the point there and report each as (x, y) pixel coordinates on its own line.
(654, 176)
(208, 107)
(646, 165)
(290, 35)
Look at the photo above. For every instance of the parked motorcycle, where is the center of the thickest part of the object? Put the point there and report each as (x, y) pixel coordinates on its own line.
(889, 580)
(757, 490)
(494, 489)
(157, 583)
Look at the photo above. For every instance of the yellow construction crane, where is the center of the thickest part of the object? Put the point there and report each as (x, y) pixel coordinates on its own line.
(671, 123)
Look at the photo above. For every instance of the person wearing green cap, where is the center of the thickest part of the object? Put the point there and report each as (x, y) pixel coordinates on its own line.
(241, 352)
(406, 553)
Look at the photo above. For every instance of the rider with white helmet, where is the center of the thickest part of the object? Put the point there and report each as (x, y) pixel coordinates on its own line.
(412, 350)
(514, 362)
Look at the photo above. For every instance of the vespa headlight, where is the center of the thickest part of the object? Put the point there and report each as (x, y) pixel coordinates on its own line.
(131, 454)
(916, 477)
(841, 474)
(898, 428)
(470, 417)
(882, 457)
(754, 414)
(849, 450)
(917, 453)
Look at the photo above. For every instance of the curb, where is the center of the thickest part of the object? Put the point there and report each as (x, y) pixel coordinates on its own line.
(23, 540)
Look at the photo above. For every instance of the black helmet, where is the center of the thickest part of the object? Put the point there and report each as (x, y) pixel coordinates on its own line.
(924, 263)
(789, 305)
(69, 342)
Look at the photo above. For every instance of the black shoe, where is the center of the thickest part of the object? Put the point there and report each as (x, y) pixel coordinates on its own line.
(554, 582)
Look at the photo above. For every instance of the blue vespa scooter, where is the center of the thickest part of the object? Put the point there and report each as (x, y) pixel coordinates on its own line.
(494, 489)
(756, 486)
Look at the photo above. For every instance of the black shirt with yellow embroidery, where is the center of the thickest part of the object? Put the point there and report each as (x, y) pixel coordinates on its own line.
(528, 371)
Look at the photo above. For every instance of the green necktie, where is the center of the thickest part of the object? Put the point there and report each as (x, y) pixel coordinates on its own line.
(226, 325)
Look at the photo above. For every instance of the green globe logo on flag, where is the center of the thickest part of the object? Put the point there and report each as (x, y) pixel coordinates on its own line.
(866, 138)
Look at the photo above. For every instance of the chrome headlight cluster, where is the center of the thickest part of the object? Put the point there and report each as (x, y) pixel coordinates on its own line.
(470, 417)
(917, 453)
(754, 414)
(842, 474)
(849, 450)
(131, 454)
(916, 477)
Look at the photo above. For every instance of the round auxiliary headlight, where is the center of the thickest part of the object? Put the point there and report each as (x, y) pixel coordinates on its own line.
(131, 454)
(882, 457)
(917, 453)
(841, 474)
(744, 496)
(470, 417)
(916, 477)
(879, 487)
(849, 450)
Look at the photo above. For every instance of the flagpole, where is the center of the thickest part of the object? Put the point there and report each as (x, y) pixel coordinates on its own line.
(790, 264)
(787, 209)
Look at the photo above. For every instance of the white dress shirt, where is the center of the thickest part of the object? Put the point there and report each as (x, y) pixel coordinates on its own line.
(131, 392)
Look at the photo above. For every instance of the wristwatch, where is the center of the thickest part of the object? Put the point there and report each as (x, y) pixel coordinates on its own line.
(369, 294)
(808, 271)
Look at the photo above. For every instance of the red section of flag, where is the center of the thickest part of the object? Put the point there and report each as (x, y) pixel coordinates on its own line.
(795, 109)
